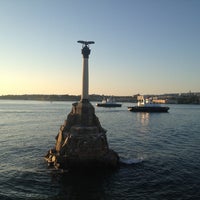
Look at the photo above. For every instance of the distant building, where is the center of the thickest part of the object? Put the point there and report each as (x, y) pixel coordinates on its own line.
(160, 101)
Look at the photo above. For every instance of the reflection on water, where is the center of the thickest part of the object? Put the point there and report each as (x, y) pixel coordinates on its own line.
(143, 121)
(82, 185)
(143, 118)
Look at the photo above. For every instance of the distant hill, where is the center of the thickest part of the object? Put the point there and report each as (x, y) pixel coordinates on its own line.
(66, 97)
(41, 97)
(184, 98)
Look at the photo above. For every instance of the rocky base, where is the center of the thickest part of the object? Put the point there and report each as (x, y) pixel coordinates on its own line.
(110, 160)
(81, 142)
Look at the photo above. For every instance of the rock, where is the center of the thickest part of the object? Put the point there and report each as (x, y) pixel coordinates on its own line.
(81, 142)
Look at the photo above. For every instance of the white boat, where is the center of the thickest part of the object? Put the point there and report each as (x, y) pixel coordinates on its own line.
(147, 105)
(109, 102)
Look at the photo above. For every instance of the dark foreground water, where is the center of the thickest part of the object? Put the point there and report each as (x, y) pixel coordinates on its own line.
(160, 153)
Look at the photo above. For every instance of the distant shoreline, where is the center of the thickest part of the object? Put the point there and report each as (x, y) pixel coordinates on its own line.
(184, 98)
(43, 97)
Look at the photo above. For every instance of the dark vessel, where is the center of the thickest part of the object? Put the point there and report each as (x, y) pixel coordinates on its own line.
(146, 105)
(110, 102)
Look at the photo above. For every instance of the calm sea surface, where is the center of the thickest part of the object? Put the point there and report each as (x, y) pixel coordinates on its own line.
(160, 153)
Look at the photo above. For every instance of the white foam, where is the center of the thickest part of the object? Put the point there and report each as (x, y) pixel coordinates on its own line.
(131, 161)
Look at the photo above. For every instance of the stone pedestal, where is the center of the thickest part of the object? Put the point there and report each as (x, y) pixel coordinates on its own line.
(81, 141)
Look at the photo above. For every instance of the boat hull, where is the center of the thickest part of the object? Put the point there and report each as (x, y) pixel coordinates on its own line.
(108, 105)
(148, 109)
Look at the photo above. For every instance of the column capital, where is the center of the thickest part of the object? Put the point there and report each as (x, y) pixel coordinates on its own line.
(85, 52)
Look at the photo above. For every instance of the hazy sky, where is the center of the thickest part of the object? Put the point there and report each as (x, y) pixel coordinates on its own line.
(141, 46)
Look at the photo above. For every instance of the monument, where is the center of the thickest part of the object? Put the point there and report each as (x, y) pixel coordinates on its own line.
(81, 141)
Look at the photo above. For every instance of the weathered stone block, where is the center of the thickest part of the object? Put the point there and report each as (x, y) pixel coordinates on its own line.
(81, 141)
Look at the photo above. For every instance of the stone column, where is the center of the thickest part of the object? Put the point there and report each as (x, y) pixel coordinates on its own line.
(85, 86)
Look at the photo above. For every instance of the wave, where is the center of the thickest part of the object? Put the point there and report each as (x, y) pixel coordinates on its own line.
(131, 161)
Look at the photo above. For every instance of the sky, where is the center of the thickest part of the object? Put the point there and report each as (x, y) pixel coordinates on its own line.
(141, 46)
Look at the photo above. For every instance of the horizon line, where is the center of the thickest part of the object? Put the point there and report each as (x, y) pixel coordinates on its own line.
(190, 92)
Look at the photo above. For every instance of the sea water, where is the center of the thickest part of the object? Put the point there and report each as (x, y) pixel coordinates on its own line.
(159, 153)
